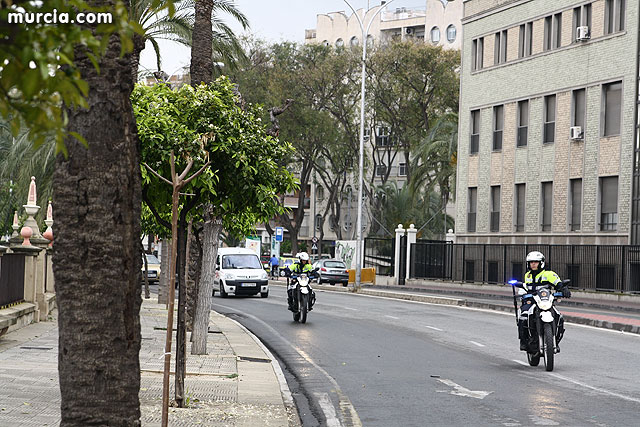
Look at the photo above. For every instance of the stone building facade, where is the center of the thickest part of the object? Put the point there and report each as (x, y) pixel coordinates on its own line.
(548, 123)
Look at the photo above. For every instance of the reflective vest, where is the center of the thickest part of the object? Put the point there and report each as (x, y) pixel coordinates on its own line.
(297, 268)
(543, 277)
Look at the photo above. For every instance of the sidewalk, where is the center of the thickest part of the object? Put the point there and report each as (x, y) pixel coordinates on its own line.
(619, 312)
(236, 384)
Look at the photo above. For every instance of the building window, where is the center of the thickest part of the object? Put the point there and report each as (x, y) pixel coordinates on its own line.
(500, 48)
(549, 119)
(614, 14)
(474, 145)
(435, 35)
(552, 32)
(339, 43)
(477, 50)
(402, 169)
(318, 224)
(525, 40)
(382, 136)
(325, 42)
(612, 94)
(546, 198)
(472, 208)
(519, 205)
(578, 107)
(451, 33)
(609, 203)
(369, 41)
(581, 18)
(575, 210)
(381, 170)
(494, 219)
(492, 271)
(523, 122)
(498, 126)
(354, 41)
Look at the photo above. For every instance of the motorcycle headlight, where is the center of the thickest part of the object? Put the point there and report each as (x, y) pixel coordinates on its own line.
(545, 305)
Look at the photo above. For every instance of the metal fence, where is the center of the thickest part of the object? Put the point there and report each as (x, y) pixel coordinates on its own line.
(590, 267)
(11, 279)
(380, 253)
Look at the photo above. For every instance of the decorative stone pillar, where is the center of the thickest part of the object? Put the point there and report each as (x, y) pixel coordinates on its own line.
(396, 265)
(48, 268)
(32, 209)
(411, 238)
(31, 273)
(15, 236)
(451, 236)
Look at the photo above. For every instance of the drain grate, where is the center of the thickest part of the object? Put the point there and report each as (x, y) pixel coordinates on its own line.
(253, 359)
(26, 347)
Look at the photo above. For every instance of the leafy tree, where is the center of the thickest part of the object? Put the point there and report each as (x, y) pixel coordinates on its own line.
(413, 84)
(39, 75)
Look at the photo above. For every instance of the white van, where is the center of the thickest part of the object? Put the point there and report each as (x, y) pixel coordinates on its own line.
(240, 272)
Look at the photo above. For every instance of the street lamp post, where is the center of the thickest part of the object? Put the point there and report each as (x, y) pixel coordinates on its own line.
(365, 33)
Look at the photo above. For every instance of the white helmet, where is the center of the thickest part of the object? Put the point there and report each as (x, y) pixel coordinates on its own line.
(535, 256)
(303, 256)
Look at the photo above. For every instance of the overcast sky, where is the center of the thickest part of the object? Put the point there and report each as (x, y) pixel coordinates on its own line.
(273, 20)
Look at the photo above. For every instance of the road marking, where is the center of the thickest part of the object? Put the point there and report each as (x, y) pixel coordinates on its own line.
(458, 390)
(349, 308)
(392, 317)
(601, 390)
(476, 343)
(434, 328)
(328, 409)
(521, 362)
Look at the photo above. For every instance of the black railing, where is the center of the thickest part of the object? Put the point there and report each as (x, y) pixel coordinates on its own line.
(11, 279)
(380, 253)
(590, 267)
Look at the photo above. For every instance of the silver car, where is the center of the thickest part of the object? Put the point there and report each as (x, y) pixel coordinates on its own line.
(332, 271)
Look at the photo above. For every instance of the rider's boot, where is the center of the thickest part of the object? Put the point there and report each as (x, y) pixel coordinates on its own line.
(290, 299)
(522, 335)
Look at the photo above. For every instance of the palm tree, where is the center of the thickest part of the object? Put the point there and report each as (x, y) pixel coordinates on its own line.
(225, 46)
(435, 158)
(19, 161)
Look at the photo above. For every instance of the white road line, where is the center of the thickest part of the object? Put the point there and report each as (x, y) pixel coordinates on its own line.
(349, 308)
(521, 362)
(590, 387)
(392, 317)
(458, 390)
(346, 407)
(328, 409)
(434, 328)
(476, 343)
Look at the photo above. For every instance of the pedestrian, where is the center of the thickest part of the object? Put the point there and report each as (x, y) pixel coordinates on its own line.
(274, 263)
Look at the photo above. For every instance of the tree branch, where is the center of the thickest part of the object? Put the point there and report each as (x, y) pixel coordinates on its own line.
(157, 174)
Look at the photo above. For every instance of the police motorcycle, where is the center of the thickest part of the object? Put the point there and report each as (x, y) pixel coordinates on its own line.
(545, 324)
(303, 296)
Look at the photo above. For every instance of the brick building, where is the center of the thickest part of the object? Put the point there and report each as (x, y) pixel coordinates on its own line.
(548, 123)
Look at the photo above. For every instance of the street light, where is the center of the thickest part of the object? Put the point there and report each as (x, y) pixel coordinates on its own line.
(365, 33)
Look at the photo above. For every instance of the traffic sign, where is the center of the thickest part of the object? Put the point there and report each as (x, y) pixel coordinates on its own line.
(314, 239)
(279, 234)
(314, 247)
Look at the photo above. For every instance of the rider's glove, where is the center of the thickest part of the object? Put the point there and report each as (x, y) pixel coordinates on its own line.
(566, 292)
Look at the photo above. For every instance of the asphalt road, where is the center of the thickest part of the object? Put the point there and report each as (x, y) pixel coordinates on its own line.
(380, 362)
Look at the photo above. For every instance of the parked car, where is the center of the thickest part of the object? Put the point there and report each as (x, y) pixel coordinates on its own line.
(153, 268)
(239, 272)
(332, 271)
(284, 263)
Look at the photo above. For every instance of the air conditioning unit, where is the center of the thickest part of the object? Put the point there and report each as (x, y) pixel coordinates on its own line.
(576, 132)
(408, 31)
(582, 33)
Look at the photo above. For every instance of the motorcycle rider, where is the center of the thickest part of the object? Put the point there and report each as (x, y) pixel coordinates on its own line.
(537, 275)
(302, 266)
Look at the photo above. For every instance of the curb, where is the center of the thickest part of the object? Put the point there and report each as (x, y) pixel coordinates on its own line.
(287, 397)
(462, 302)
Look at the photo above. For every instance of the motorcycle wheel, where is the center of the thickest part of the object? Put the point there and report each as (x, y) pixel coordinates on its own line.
(304, 306)
(548, 347)
(533, 359)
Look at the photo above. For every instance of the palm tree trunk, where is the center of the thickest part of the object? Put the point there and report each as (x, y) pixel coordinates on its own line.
(96, 261)
(201, 61)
